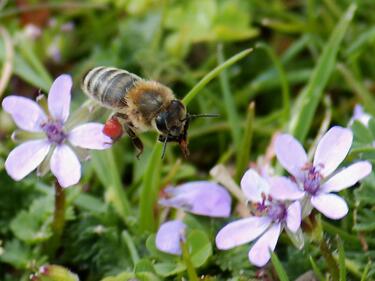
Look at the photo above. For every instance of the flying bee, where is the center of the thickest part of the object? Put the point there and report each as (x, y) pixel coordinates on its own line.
(140, 105)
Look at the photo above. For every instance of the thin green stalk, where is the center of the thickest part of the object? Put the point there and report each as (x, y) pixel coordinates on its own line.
(131, 246)
(243, 154)
(365, 271)
(149, 190)
(105, 167)
(212, 74)
(365, 95)
(331, 263)
(342, 267)
(279, 267)
(58, 220)
(316, 269)
(229, 102)
(282, 77)
(305, 107)
(187, 261)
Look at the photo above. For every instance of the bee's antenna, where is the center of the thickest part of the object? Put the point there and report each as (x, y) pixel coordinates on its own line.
(164, 148)
(192, 116)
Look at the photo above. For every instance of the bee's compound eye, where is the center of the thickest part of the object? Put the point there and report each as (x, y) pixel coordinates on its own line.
(160, 121)
(113, 128)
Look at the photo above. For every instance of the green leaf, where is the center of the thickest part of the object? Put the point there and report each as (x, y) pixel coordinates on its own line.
(16, 254)
(305, 107)
(166, 269)
(199, 247)
(149, 190)
(213, 74)
(342, 267)
(121, 277)
(361, 133)
(279, 268)
(371, 126)
(105, 166)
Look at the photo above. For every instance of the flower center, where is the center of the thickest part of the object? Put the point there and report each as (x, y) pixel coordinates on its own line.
(312, 180)
(277, 212)
(54, 131)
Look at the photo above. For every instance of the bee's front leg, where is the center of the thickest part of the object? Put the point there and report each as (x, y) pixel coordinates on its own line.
(135, 139)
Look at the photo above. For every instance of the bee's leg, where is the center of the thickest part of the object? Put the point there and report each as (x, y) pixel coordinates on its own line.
(135, 140)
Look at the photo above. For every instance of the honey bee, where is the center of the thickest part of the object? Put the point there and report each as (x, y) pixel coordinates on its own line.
(139, 105)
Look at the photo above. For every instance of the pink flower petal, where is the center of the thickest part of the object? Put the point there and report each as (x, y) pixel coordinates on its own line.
(59, 97)
(290, 154)
(293, 219)
(332, 149)
(254, 185)
(330, 205)
(25, 158)
(26, 113)
(65, 166)
(241, 232)
(283, 188)
(90, 136)
(260, 253)
(347, 177)
(169, 236)
(201, 198)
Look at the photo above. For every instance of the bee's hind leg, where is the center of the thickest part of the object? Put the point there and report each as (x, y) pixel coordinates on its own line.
(135, 140)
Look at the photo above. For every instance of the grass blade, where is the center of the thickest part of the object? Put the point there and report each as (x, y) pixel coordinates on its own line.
(230, 105)
(283, 80)
(308, 101)
(316, 270)
(212, 74)
(243, 154)
(107, 171)
(342, 268)
(279, 268)
(149, 190)
(358, 88)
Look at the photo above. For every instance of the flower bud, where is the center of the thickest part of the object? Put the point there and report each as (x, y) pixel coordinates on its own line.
(54, 273)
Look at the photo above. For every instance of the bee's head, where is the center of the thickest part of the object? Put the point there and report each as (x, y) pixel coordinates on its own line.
(172, 125)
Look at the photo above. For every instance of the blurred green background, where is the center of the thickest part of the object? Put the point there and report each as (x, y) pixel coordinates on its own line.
(177, 42)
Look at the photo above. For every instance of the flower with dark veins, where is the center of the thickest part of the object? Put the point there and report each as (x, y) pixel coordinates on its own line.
(268, 217)
(317, 180)
(56, 144)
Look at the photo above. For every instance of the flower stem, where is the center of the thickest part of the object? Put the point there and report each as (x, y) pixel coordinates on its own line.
(331, 263)
(58, 220)
(189, 265)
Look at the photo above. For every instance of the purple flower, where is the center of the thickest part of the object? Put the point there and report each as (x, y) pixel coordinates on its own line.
(315, 180)
(55, 143)
(269, 217)
(200, 198)
(169, 237)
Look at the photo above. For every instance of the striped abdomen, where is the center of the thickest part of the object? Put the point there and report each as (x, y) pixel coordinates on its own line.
(108, 85)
